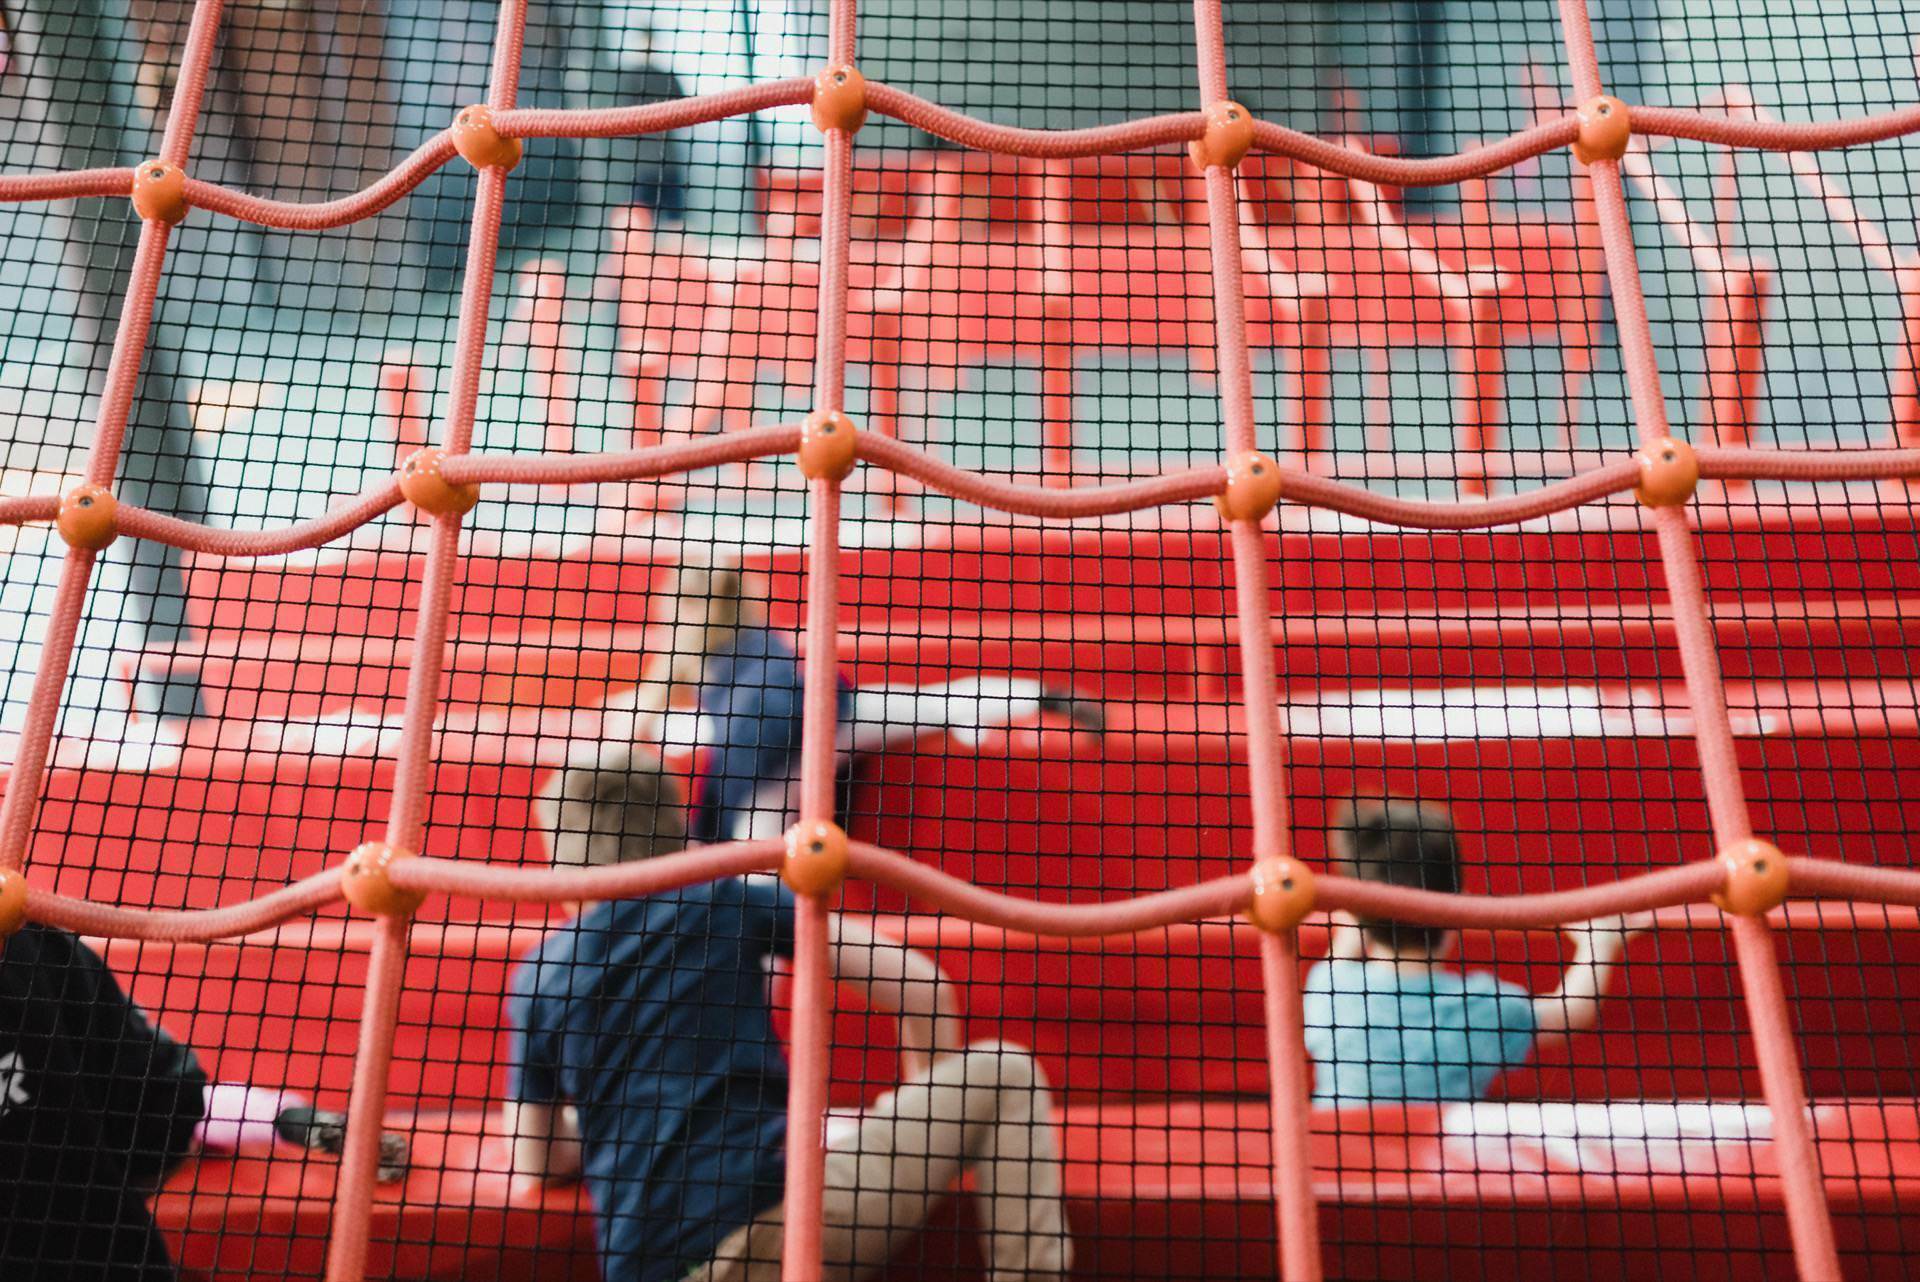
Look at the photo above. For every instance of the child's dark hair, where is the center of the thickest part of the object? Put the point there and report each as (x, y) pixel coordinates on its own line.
(1398, 843)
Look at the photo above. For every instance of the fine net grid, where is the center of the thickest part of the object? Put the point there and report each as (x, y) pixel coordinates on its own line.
(232, 724)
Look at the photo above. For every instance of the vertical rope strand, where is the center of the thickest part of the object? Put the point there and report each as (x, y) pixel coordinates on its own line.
(406, 821)
(25, 777)
(1796, 1156)
(1297, 1213)
(812, 978)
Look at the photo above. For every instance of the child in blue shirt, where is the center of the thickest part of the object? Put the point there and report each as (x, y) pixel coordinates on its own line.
(643, 1060)
(1386, 1017)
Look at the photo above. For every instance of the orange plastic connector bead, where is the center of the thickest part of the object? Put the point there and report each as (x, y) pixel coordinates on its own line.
(88, 517)
(1283, 891)
(425, 488)
(839, 99)
(1669, 473)
(365, 882)
(1229, 134)
(476, 138)
(13, 902)
(1605, 127)
(1757, 877)
(828, 440)
(816, 861)
(160, 192)
(1253, 487)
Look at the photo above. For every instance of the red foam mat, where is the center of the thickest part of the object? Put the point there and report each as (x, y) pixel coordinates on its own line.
(1149, 1181)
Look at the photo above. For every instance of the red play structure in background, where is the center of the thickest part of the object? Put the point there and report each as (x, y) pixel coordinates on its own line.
(1188, 1127)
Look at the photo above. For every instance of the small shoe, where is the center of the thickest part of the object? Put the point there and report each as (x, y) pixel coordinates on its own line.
(314, 1128)
(1089, 715)
(394, 1158)
(326, 1132)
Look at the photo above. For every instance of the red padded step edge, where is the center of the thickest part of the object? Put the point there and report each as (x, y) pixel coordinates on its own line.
(1176, 1011)
(1149, 1182)
(1123, 658)
(1821, 552)
(1158, 801)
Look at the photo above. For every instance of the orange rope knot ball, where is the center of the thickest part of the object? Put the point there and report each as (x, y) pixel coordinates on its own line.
(1282, 895)
(88, 517)
(1757, 877)
(476, 138)
(1253, 487)
(828, 440)
(839, 100)
(1605, 127)
(13, 902)
(1669, 473)
(816, 861)
(1228, 135)
(365, 882)
(425, 488)
(160, 192)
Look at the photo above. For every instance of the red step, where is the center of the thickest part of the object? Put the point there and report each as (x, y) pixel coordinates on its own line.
(1182, 1189)
(1595, 559)
(1158, 801)
(1169, 1012)
(1124, 658)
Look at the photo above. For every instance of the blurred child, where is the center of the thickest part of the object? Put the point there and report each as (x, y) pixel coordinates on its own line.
(738, 682)
(643, 1057)
(1387, 1018)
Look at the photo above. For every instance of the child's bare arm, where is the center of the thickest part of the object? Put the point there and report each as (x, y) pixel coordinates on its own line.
(902, 982)
(1574, 1006)
(543, 1142)
(664, 676)
(1345, 938)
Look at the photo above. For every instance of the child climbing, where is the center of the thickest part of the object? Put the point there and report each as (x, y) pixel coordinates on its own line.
(1387, 1018)
(643, 1058)
(736, 684)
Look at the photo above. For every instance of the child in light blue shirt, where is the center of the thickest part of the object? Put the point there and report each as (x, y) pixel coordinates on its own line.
(1388, 1019)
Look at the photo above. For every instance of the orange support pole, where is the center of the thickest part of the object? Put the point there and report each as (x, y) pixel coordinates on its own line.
(405, 405)
(1316, 377)
(1735, 343)
(1056, 348)
(1903, 381)
(24, 777)
(1482, 389)
(542, 294)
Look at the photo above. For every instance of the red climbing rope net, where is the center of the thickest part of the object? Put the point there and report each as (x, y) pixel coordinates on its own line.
(1746, 878)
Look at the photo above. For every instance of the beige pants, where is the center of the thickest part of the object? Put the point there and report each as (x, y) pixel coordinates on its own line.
(986, 1111)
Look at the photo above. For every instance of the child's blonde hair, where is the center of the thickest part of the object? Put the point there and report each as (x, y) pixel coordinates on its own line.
(702, 607)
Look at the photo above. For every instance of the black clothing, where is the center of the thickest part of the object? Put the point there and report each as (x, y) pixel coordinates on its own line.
(96, 1107)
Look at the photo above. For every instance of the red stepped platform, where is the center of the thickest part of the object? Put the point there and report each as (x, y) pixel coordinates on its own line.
(1175, 1011)
(1180, 1190)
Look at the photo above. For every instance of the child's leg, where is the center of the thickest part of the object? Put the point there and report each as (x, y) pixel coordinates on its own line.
(985, 1110)
(885, 717)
